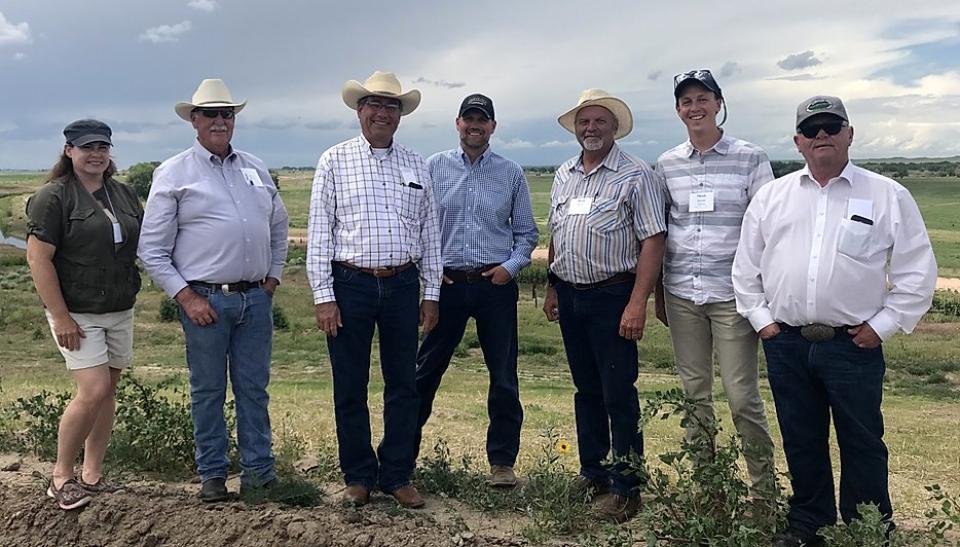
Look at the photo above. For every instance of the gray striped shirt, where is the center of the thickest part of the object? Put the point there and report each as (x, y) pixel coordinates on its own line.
(700, 246)
(627, 207)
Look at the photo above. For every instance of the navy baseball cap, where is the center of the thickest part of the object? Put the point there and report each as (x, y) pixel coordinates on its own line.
(83, 132)
(477, 102)
(702, 76)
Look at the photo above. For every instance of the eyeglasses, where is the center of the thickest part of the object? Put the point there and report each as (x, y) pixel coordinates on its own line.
(391, 108)
(811, 131)
(212, 113)
(696, 74)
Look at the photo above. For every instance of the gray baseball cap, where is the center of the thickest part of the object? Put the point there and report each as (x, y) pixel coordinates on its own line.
(821, 104)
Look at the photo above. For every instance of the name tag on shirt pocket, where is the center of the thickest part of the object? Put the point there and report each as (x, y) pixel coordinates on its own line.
(854, 238)
(251, 176)
(410, 178)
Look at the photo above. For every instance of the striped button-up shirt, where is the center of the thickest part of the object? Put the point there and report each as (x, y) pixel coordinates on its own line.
(373, 212)
(484, 209)
(212, 220)
(626, 207)
(701, 245)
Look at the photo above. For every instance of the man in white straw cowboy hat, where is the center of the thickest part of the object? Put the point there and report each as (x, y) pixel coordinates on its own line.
(214, 238)
(606, 217)
(372, 238)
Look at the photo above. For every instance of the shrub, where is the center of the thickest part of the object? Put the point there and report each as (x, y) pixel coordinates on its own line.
(169, 310)
(140, 176)
(280, 321)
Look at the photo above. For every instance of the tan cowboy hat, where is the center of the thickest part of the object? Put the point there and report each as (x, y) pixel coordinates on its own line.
(599, 97)
(212, 93)
(381, 84)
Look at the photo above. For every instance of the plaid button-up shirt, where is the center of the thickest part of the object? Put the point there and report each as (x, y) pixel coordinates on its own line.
(373, 212)
(626, 208)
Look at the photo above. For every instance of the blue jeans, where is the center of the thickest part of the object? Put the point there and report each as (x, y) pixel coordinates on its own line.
(392, 306)
(494, 307)
(604, 369)
(810, 382)
(240, 344)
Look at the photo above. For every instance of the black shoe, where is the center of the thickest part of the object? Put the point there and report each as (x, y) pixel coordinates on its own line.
(213, 490)
(794, 538)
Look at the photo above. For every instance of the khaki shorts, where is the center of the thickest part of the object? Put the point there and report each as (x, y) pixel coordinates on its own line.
(108, 340)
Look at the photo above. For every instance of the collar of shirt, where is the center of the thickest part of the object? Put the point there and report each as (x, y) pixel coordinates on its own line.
(611, 161)
(721, 147)
(849, 170)
(466, 159)
(365, 145)
(209, 156)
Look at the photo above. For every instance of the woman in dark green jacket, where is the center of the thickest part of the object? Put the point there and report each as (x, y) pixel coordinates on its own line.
(82, 233)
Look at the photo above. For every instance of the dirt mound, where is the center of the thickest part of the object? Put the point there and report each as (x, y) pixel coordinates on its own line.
(160, 515)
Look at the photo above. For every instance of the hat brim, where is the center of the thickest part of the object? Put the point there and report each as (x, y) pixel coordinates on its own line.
(87, 139)
(353, 91)
(618, 108)
(184, 108)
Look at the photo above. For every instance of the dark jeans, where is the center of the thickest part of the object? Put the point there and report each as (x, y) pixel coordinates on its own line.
(239, 344)
(392, 306)
(604, 369)
(810, 382)
(494, 307)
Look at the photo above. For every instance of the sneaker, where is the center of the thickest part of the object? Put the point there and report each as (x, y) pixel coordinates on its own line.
(214, 490)
(69, 496)
(620, 509)
(794, 538)
(102, 486)
(502, 476)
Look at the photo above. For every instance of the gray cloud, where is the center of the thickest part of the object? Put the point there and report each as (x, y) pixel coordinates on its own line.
(655, 75)
(797, 78)
(270, 123)
(439, 83)
(11, 33)
(729, 69)
(165, 33)
(799, 61)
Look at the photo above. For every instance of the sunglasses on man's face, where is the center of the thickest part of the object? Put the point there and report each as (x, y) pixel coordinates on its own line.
(212, 113)
(811, 131)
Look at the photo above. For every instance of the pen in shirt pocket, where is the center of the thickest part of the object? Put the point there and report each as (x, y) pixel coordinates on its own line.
(414, 185)
(862, 220)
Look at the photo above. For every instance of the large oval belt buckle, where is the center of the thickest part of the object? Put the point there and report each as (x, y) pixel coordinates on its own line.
(817, 332)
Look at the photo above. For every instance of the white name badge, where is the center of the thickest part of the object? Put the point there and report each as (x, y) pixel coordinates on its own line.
(251, 176)
(117, 234)
(579, 206)
(701, 202)
(409, 177)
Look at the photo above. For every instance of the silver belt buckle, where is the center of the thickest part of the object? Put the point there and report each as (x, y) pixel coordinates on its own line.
(817, 332)
(225, 287)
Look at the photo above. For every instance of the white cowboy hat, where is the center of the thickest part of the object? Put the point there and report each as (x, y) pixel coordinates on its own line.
(599, 97)
(381, 84)
(212, 93)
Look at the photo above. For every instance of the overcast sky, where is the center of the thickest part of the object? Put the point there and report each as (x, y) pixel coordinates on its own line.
(896, 64)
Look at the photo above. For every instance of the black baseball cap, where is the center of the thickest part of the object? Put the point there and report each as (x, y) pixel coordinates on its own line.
(702, 76)
(83, 132)
(477, 102)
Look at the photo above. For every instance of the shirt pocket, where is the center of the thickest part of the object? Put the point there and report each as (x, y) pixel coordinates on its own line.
(410, 201)
(854, 239)
(604, 215)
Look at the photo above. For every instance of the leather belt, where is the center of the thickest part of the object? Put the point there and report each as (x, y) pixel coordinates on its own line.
(622, 277)
(388, 271)
(227, 288)
(468, 276)
(816, 332)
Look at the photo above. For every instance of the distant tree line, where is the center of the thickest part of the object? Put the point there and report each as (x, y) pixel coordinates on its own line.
(892, 169)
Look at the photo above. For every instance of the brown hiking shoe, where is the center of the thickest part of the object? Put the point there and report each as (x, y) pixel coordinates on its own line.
(502, 476)
(619, 508)
(407, 496)
(356, 495)
(589, 488)
(69, 496)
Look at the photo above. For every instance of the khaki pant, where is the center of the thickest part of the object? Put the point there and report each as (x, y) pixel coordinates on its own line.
(699, 331)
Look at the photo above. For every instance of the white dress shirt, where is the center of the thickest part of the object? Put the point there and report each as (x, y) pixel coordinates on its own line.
(802, 259)
(373, 209)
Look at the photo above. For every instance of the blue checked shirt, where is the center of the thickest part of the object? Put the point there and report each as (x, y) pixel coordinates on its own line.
(484, 209)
